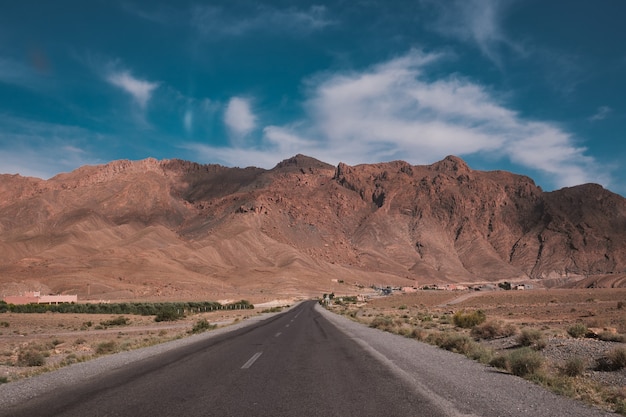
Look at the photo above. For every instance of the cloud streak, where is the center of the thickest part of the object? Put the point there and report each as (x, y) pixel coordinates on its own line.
(477, 22)
(212, 21)
(42, 150)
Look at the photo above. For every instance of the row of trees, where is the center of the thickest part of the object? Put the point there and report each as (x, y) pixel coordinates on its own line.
(136, 308)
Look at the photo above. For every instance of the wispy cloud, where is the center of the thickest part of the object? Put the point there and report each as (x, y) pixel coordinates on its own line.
(211, 21)
(477, 22)
(140, 90)
(238, 117)
(602, 113)
(42, 150)
(394, 110)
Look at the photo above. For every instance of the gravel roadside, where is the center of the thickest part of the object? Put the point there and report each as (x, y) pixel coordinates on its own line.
(461, 386)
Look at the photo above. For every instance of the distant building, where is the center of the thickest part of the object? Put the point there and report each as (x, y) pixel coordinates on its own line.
(35, 297)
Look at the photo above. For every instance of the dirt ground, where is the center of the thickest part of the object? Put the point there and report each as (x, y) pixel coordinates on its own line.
(554, 308)
(36, 343)
(550, 313)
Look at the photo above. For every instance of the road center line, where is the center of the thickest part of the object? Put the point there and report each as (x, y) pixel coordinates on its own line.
(251, 360)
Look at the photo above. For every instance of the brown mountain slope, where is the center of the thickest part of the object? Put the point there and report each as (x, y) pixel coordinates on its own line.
(178, 229)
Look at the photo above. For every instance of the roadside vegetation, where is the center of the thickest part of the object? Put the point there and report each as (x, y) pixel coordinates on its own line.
(527, 347)
(42, 338)
(141, 309)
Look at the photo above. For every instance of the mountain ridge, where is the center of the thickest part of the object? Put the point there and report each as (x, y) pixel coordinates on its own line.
(179, 229)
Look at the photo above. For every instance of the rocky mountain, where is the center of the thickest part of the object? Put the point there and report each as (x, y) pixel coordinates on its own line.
(177, 229)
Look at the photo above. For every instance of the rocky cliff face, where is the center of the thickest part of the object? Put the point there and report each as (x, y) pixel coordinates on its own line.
(180, 229)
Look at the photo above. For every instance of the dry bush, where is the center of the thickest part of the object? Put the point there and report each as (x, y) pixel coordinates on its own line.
(106, 347)
(614, 360)
(31, 357)
(385, 323)
(574, 366)
(493, 329)
(577, 330)
(531, 338)
(525, 362)
(468, 320)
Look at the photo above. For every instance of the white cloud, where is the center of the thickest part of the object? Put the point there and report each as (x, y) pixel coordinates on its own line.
(140, 90)
(212, 21)
(395, 110)
(602, 113)
(478, 22)
(238, 117)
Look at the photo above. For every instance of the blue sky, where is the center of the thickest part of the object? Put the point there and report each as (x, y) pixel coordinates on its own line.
(530, 86)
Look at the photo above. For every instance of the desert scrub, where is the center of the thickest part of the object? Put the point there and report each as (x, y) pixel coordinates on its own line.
(577, 331)
(106, 347)
(30, 357)
(118, 321)
(383, 323)
(492, 330)
(614, 360)
(531, 338)
(524, 362)
(202, 325)
(574, 366)
(276, 309)
(468, 320)
(611, 337)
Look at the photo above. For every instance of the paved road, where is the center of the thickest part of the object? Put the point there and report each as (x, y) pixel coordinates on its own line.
(304, 362)
(295, 364)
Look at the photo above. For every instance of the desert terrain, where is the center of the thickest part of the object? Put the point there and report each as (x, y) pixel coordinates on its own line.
(31, 343)
(577, 334)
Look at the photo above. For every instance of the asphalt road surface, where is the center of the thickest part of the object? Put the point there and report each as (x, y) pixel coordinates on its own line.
(304, 362)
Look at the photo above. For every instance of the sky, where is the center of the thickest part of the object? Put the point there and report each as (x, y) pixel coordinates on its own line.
(533, 87)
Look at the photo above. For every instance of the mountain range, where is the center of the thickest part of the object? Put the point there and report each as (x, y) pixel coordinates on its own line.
(174, 229)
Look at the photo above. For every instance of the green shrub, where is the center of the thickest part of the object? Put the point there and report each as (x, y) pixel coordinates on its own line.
(4, 324)
(168, 314)
(577, 331)
(525, 361)
(531, 338)
(4, 379)
(31, 358)
(469, 320)
(202, 325)
(574, 366)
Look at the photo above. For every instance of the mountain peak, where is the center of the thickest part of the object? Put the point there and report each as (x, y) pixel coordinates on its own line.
(451, 163)
(302, 163)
